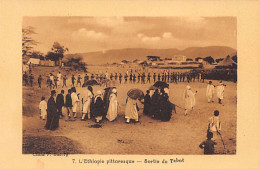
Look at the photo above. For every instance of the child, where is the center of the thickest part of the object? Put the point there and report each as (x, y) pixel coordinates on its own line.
(214, 122)
(43, 108)
(208, 145)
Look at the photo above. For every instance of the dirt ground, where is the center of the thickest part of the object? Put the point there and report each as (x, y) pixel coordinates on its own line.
(181, 135)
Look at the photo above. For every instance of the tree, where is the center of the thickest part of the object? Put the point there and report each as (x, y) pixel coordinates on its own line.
(59, 51)
(37, 54)
(209, 59)
(52, 56)
(27, 42)
(76, 62)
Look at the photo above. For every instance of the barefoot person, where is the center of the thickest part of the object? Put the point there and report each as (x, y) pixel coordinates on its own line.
(52, 122)
(112, 109)
(131, 110)
(210, 92)
(220, 92)
(75, 100)
(189, 100)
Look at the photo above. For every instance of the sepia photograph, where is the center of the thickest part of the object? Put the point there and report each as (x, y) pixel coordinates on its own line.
(129, 85)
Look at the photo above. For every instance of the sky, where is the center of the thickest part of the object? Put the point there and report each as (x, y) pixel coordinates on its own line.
(89, 34)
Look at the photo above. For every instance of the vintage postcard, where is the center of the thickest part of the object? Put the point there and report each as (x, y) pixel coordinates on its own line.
(130, 84)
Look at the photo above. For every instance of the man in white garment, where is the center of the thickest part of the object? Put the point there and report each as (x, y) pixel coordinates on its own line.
(210, 92)
(87, 99)
(131, 110)
(75, 101)
(112, 109)
(189, 100)
(220, 92)
(59, 78)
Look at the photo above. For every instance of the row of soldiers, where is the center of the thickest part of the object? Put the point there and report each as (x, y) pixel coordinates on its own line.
(166, 76)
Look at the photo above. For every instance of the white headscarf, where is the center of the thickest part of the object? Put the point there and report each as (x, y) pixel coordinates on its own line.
(114, 90)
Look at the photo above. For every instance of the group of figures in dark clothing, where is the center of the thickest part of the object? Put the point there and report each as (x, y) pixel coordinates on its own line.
(158, 106)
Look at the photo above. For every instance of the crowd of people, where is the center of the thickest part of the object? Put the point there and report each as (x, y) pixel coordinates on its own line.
(103, 105)
(131, 77)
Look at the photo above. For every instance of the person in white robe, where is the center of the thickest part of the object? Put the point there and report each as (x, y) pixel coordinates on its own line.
(210, 92)
(75, 101)
(220, 92)
(87, 99)
(112, 109)
(59, 78)
(43, 108)
(131, 110)
(189, 100)
(214, 126)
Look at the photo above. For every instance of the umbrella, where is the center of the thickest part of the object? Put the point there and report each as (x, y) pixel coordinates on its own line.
(135, 94)
(161, 85)
(90, 83)
(153, 88)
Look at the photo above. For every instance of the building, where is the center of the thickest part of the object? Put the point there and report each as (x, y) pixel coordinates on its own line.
(179, 58)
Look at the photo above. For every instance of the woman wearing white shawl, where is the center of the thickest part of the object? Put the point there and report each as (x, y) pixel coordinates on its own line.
(210, 91)
(75, 101)
(112, 109)
(220, 92)
(87, 99)
(131, 110)
(189, 99)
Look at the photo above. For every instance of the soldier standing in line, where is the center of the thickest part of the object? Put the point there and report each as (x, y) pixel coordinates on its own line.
(85, 78)
(154, 77)
(172, 77)
(126, 76)
(111, 76)
(139, 77)
(64, 81)
(134, 78)
(120, 78)
(159, 77)
(92, 76)
(40, 81)
(79, 81)
(73, 80)
(143, 78)
(31, 79)
(131, 77)
(48, 82)
(55, 82)
(116, 76)
(163, 77)
(148, 78)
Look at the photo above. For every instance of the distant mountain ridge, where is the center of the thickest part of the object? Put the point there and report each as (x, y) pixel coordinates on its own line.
(130, 54)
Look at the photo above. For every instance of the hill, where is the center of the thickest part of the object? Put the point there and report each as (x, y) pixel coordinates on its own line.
(117, 55)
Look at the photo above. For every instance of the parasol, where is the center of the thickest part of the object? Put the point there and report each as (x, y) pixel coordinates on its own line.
(161, 85)
(135, 94)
